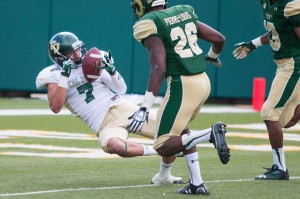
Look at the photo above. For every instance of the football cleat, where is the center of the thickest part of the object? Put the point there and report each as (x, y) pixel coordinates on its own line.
(273, 173)
(218, 140)
(192, 189)
(163, 180)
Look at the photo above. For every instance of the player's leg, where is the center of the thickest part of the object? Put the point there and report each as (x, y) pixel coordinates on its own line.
(164, 175)
(175, 113)
(296, 113)
(172, 143)
(280, 95)
(118, 118)
(113, 140)
(295, 118)
(113, 134)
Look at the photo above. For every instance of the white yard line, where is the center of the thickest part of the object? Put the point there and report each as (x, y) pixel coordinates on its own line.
(115, 187)
(23, 112)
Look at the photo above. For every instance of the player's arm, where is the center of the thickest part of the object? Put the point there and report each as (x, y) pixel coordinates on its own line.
(56, 97)
(297, 31)
(264, 39)
(217, 41)
(112, 78)
(157, 57)
(209, 34)
(57, 92)
(243, 49)
(114, 82)
(292, 12)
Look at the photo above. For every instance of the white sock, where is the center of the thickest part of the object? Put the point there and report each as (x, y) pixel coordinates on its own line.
(195, 137)
(149, 150)
(279, 159)
(165, 169)
(194, 167)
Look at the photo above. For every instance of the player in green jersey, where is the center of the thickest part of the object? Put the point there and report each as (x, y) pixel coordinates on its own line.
(281, 109)
(171, 36)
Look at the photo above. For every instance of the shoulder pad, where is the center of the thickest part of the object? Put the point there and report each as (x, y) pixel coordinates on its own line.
(48, 75)
(143, 29)
(292, 8)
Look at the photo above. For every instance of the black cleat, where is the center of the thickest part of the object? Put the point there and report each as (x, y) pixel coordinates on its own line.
(192, 189)
(274, 173)
(218, 139)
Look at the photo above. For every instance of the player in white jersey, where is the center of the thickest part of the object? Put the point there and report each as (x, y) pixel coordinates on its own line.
(98, 103)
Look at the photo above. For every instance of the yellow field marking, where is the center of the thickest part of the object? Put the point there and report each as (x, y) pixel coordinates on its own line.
(74, 152)
(260, 126)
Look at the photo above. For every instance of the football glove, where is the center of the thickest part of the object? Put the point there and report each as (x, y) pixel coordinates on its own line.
(108, 64)
(67, 66)
(215, 61)
(243, 49)
(137, 120)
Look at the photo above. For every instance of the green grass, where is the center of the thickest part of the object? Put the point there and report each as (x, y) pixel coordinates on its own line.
(81, 178)
(16, 103)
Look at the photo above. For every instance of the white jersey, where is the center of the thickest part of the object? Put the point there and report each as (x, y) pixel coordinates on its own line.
(89, 101)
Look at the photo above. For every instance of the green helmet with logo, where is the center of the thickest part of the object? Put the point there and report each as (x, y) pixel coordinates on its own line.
(62, 45)
(140, 7)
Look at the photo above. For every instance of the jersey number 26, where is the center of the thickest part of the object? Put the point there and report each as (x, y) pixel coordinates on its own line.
(186, 36)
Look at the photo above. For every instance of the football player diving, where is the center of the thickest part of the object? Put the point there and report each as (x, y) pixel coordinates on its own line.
(97, 103)
(170, 37)
(281, 109)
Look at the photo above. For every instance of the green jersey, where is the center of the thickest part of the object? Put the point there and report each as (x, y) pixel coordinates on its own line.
(280, 19)
(177, 28)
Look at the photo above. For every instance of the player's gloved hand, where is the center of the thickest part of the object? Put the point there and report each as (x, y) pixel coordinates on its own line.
(67, 66)
(108, 64)
(215, 61)
(137, 120)
(243, 49)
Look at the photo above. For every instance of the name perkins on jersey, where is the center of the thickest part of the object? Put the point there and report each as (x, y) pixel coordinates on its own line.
(177, 19)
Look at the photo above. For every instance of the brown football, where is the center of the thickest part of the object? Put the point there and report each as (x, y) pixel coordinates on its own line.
(91, 64)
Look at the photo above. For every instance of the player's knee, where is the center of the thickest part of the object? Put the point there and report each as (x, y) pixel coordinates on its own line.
(118, 150)
(264, 114)
(165, 151)
(161, 151)
(116, 146)
(268, 113)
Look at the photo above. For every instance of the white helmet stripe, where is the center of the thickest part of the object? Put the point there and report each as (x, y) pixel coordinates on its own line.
(158, 3)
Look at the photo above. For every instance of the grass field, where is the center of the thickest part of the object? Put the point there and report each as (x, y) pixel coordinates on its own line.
(36, 163)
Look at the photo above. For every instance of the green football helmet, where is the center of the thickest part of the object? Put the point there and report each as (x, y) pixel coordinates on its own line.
(61, 47)
(140, 7)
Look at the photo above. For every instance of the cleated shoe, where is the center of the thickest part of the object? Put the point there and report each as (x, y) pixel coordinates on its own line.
(192, 189)
(274, 173)
(218, 139)
(162, 180)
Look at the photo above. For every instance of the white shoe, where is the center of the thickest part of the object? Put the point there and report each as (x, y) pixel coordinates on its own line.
(162, 180)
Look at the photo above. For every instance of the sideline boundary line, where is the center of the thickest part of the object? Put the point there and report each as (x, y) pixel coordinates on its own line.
(116, 187)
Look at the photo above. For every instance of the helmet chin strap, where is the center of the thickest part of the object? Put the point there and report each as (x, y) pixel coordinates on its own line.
(78, 62)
